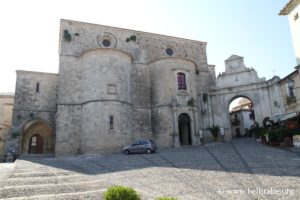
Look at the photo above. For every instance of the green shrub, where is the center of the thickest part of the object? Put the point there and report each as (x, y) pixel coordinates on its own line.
(293, 132)
(272, 136)
(190, 102)
(214, 131)
(133, 38)
(259, 132)
(15, 134)
(121, 193)
(165, 198)
(282, 133)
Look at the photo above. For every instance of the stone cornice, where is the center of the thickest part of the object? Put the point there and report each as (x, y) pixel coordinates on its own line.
(34, 72)
(131, 30)
(289, 6)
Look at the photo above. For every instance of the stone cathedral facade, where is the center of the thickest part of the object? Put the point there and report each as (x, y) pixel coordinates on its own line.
(116, 85)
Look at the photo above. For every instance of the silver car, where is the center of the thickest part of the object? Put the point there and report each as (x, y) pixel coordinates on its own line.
(140, 146)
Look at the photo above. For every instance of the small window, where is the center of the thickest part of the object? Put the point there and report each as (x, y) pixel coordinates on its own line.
(169, 51)
(290, 86)
(111, 122)
(106, 43)
(296, 16)
(181, 81)
(111, 89)
(292, 93)
(37, 88)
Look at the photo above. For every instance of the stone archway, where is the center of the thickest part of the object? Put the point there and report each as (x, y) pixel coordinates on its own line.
(241, 115)
(184, 126)
(37, 138)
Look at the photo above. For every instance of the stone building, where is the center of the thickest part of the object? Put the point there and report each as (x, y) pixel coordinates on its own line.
(292, 10)
(241, 81)
(116, 85)
(6, 106)
(290, 89)
(33, 125)
(240, 117)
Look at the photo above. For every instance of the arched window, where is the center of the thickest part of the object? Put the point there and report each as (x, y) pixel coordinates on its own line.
(181, 81)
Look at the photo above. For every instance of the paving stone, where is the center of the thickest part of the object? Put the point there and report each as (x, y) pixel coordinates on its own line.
(242, 169)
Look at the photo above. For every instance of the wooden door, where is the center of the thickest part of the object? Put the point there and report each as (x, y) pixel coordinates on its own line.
(36, 144)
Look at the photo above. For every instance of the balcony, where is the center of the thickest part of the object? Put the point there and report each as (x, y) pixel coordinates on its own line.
(290, 100)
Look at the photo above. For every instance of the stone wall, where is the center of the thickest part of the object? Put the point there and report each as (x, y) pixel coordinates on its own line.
(76, 38)
(131, 76)
(291, 103)
(6, 110)
(35, 98)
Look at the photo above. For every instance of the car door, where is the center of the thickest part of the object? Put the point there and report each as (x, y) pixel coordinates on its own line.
(134, 147)
(141, 146)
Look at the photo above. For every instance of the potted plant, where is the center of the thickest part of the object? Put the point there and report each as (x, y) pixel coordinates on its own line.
(273, 139)
(260, 133)
(214, 131)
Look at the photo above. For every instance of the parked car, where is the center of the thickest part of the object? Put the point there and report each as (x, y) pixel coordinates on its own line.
(140, 146)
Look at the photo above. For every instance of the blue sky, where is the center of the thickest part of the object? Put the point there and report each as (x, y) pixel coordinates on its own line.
(249, 28)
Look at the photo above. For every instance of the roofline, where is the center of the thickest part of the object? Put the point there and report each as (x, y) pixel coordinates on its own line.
(238, 57)
(6, 95)
(286, 77)
(289, 6)
(35, 72)
(143, 32)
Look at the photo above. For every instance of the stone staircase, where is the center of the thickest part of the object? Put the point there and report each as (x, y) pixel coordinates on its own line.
(51, 178)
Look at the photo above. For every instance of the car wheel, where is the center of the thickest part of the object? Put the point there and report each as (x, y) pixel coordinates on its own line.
(148, 151)
(126, 151)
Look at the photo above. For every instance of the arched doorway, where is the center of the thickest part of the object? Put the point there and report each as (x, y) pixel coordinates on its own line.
(242, 117)
(184, 126)
(37, 138)
(36, 145)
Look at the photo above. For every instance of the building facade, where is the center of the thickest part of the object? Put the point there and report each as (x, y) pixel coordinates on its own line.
(6, 110)
(241, 117)
(117, 85)
(290, 89)
(292, 10)
(241, 81)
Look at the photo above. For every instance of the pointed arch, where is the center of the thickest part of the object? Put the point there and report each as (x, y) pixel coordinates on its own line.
(37, 138)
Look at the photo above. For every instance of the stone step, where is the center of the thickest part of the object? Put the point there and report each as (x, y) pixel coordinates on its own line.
(47, 189)
(22, 181)
(94, 195)
(38, 174)
(6, 169)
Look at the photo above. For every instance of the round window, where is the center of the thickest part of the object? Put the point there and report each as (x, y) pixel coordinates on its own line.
(106, 43)
(169, 51)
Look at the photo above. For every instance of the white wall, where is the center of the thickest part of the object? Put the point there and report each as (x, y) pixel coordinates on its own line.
(295, 31)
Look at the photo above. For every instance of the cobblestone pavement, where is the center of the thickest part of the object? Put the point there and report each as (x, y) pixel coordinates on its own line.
(241, 169)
